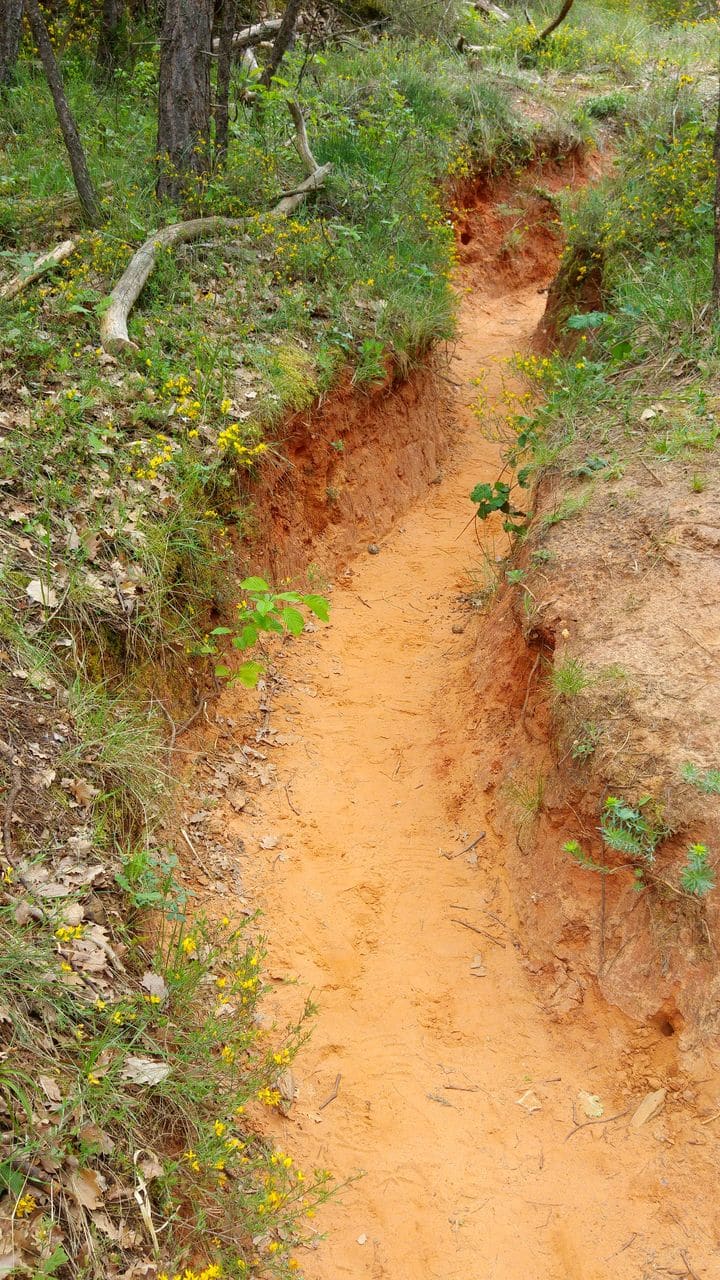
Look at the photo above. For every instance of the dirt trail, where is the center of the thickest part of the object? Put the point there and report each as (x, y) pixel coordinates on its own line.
(457, 1087)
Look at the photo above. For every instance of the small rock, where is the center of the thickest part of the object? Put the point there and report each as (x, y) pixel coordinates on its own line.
(650, 1105)
(362, 1239)
(457, 629)
(373, 549)
(529, 1101)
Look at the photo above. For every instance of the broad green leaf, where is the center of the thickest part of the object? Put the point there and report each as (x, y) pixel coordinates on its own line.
(319, 606)
(222, 671)
(249, 674)
(293, 620)
(221, 631)
(254, 584)
(247, 637)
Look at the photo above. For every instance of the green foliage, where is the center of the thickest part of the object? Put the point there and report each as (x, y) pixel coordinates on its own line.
(697, 876)
(628, 830)
(706, 780)
(262, 612)
(569, 678)
(496, 497)
(585, 743)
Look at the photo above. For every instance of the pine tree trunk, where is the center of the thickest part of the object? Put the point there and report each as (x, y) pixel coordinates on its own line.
(228, 17)
(78, 163)
(10, 28)
(184, 96)
(110, 37)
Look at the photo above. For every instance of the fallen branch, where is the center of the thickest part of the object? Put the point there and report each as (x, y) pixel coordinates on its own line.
(600, 1120)
(113, 325)
(492, 10)
(39, 267)
(256, 33)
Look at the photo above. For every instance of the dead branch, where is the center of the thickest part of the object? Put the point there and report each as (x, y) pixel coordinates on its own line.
(113, 325)
(255, 34)
(301, 138)
(492, 10)
(19, 282)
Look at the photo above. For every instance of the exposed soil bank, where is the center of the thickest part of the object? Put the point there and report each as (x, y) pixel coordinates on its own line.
(461, 1078)
(348, 466)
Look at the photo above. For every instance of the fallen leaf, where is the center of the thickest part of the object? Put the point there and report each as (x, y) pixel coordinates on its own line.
(268, 842)
(87, 1187)
(650, 1105)
(155, 985)
(50, 1088)
(151, 1167)
(9, 1262)
(41, 593)
(144, 1070)
(590, 1104)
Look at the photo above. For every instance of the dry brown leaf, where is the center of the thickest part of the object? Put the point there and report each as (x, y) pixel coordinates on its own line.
(144, 1070)
(87, 1186)
(154, 983)
(41, 593)
(50, 1088)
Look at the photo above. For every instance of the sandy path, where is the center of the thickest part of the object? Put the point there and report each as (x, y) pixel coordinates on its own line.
(390, 763)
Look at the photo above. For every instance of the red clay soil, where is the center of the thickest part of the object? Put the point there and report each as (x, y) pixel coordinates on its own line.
(490, 1109)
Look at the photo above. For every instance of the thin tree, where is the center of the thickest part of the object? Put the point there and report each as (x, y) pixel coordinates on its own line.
(228, 18)
(716, 259)
(110, 36)
(10, 28)
(548, 30)
(78, 162)
(282, 41)
(184, 108)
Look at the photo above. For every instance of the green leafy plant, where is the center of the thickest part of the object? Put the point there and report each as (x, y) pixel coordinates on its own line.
(263, 611)
(496, 497)
(707, 781)
(626, 829)
(697, 876)
(586, 741)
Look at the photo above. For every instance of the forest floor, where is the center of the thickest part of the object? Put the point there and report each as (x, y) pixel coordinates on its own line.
(496, 1133)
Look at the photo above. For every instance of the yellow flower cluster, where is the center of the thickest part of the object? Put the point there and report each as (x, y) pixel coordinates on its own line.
(164, 448)
(180, 391)
(242, 441)
(66, 932)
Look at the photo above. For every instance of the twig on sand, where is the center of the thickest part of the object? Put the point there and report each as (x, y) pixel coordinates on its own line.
(601, 1120)
(475, 929)
(467, 848)
(333, 1094)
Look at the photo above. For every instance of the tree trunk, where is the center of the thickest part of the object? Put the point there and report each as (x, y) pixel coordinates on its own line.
(110, 37)
(81, 174)
(184, 96)
(283, 41)
(552, 26)
(228, 16)
(10, 28)
(716, 261)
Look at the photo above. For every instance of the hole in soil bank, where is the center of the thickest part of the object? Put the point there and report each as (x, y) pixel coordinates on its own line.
(465, 237)
(668, 1024)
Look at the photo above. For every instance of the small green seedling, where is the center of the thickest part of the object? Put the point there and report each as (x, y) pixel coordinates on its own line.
(697, 876)
(264, 611)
